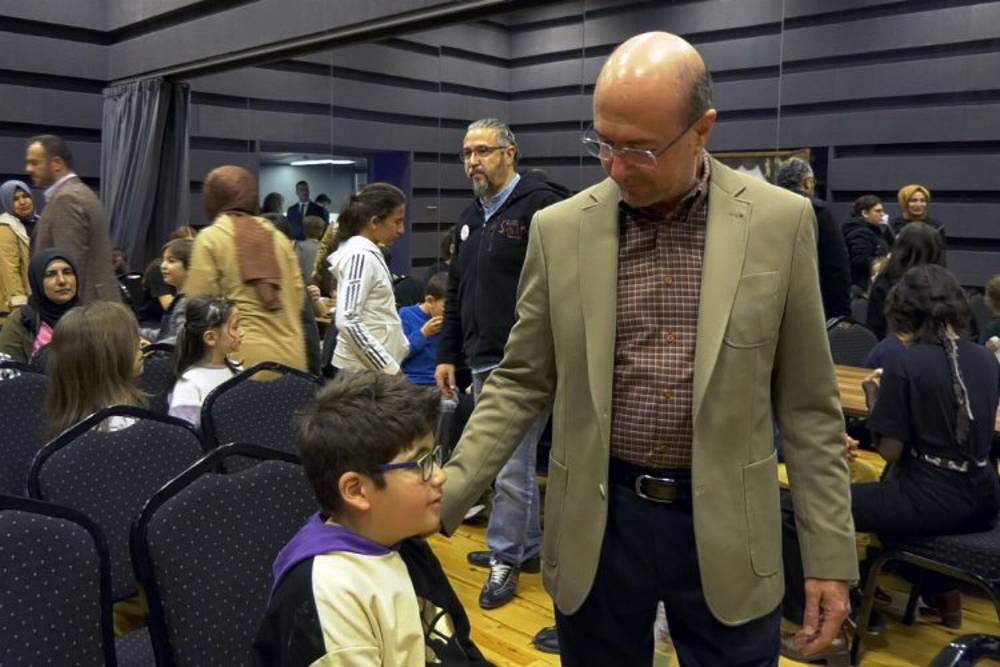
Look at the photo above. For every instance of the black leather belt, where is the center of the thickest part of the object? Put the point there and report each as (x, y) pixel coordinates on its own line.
(667, 487)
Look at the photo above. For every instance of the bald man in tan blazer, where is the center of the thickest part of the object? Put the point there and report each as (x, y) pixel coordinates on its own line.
(705, 539)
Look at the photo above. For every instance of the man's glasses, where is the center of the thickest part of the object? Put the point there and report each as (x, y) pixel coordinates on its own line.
(637, 157)
(425, 463)
(481, 152)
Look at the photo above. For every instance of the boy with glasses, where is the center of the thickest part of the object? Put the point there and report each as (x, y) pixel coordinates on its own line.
(352, 588)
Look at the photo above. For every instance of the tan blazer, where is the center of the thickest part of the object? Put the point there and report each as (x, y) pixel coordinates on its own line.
(15, 254)
(762, 351)
(73, 221)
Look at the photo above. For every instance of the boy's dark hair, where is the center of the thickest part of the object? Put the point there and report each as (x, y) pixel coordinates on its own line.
(437, 285)
(359, 421)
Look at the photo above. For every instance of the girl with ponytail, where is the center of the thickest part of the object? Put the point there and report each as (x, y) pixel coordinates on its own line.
(370, 335)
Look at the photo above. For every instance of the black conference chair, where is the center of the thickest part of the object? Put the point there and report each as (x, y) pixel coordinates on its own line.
(203, 550)
(157, 379)
(850, 342)
(109, 474)
(968, 650)
(55, 587)
(973, 558)
(859, 310)
(23, 390)
(258, 411)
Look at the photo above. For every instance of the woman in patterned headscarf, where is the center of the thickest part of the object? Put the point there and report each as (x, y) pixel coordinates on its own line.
(242, 257)
(17, 211)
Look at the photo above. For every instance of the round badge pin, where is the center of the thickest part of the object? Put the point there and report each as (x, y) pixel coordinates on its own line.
(464, 234)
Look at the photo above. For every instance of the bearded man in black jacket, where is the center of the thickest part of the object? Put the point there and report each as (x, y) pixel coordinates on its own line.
(491, 239)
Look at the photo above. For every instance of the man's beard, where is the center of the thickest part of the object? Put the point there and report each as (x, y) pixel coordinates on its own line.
(482, 187)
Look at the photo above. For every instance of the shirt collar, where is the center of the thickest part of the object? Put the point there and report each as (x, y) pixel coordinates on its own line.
(51, 190)
(491, 206)
(695, 196)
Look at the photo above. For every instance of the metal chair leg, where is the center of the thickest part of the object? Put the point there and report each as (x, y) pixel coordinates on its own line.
(867, 603)
(911, 605)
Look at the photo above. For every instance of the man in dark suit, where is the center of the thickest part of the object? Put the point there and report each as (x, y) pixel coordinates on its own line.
(301, 209)
(796, 175)
(73, 219)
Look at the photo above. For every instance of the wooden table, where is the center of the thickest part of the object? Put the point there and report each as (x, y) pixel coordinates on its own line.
(852, 397)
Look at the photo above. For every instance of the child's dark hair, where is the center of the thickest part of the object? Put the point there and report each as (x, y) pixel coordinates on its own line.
(376, 200)
(201, 314)
(181, 249)
(359, 421)
(916, 244)
(992, 294)
(437, 286)
(929, 303)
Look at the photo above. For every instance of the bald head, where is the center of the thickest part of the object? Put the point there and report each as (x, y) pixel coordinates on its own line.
(653, 98)
(658, 68)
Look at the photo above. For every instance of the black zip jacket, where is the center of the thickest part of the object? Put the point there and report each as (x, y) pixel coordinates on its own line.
(485, 271)
(865, 243)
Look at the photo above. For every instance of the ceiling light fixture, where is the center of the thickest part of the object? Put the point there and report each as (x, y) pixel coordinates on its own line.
(314, 163)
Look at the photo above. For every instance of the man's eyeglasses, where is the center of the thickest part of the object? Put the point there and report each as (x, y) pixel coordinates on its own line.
(637, 157)
(425, 463)
(481, 152)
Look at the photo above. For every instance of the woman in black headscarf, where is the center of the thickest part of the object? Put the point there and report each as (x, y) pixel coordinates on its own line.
(53, 279)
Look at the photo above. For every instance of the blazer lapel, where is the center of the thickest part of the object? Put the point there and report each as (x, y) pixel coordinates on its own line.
(725, 249)
(598, 272)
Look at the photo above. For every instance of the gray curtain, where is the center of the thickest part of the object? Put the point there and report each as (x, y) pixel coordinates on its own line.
(144, 164)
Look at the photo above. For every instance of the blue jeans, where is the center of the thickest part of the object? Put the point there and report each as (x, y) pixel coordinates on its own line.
(514, 534)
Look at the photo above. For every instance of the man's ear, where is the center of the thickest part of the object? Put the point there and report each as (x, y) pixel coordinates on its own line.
(356, 490)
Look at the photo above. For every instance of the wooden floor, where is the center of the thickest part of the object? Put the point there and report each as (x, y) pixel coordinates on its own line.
(504, 635)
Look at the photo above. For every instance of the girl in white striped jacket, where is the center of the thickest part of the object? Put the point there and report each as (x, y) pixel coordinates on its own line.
(370, 334)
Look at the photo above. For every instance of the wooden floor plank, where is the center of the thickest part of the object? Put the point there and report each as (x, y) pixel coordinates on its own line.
(504, 635)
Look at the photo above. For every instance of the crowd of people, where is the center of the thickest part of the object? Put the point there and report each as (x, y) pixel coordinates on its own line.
(648, 319)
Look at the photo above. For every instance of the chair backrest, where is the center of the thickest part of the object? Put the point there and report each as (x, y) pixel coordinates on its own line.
(859, 310)
(157, 377)
(55, 605)
(850, 342)
(968, 650)
(257, 411)
(109, 474)
(22, 409)
(204, 547)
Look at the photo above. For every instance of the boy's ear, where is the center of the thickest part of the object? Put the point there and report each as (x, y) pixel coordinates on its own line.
(355, 490)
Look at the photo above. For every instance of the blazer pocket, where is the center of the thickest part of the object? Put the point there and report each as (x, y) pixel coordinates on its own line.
(555, 499)
(754, 319)
(761, 496)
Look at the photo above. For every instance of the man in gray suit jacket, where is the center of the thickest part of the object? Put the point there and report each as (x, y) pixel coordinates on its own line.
(73, 219)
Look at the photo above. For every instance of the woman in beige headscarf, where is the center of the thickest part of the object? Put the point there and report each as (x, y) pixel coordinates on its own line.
(243, 258)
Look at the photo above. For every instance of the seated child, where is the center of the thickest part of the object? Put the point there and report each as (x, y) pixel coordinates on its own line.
(210, 333)
(422, 326)
(94, 360)
(351, 588)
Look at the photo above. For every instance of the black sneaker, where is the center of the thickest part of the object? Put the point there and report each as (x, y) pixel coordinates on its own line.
(484, 558)
(500, 586)
(546, 640)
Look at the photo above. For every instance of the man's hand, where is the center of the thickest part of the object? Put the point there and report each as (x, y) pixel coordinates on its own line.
(444, 376)
(827, 607)
(852, 448)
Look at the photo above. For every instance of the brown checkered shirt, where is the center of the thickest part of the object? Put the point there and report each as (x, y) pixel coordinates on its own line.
(659, 282)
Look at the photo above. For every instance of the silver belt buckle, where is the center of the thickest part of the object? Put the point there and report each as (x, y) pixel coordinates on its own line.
(639, 492)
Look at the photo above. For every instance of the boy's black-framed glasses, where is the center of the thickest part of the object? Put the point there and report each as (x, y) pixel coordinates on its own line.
(425, 463)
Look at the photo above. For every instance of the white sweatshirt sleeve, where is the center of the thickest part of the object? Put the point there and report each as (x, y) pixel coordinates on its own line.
(356, 276)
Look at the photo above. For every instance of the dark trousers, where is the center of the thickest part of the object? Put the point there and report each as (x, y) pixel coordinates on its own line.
(649, 555)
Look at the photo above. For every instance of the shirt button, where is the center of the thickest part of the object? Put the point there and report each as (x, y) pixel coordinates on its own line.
(668, 281)
(668, 394)
(670, 337)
